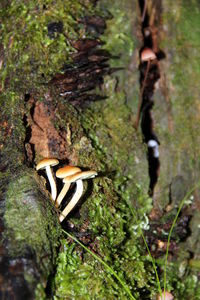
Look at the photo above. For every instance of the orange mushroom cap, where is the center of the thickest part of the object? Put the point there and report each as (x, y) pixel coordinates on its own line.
(46, 162)
(67, 171)
(147, 54)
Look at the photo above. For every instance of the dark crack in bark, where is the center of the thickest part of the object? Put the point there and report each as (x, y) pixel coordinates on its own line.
(149, 75)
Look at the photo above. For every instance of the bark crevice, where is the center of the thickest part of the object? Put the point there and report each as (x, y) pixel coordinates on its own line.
(149, 75)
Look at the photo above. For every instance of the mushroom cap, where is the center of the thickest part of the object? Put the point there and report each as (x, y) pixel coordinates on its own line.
(147, 54)
(67, 171)
(152, 143)
(45, 162)
(168, 296)
(80, 176)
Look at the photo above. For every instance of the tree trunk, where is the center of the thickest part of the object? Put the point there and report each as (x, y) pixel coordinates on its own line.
(64, 95)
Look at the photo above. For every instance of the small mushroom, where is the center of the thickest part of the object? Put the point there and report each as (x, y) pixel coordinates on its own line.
(62, 173)
(46, 163)
(165, 296)
(78, 177)
(154, 145)
(147, 55)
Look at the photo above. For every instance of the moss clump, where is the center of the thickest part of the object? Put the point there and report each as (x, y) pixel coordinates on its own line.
(115, 234)
(88, 279)
(110, 145)
(118, 31)
(117, 145)
(26, 226)
(182, 279)
(37, 36)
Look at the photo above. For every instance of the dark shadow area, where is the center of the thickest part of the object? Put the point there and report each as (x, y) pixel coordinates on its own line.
(149, 75)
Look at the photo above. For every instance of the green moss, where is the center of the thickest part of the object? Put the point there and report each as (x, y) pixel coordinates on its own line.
(26, 227)
(12, 109)
(115, 234)
(26, 40)
(181, 279)
(89, 280)
(109, 144)
(122, 41)
(118, 146)
(40, 292)
(119, 31)
(180, 40)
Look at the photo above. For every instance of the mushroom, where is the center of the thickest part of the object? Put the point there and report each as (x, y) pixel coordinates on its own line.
(147, 55)
(154, 145)
(46, 164)
(78, 177)
(62, 173)
(165, 296)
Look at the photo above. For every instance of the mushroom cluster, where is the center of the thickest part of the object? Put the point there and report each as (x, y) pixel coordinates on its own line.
(68, 174)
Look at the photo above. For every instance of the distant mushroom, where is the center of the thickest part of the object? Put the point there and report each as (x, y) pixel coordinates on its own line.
(62, 173)
(78, 177)
(165, 296)
(154, 145)
(46, 164)
(147, 55)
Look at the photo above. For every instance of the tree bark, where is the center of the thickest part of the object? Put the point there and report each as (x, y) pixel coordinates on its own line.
(55, 103)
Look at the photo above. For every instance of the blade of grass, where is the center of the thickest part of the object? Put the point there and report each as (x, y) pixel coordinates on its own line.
(103, 263)
(148, 250)
(171, 229)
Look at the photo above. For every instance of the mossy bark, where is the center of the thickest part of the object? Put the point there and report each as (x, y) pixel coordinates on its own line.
(29, 237)
(177, 124)
(37, 121)
(176, 109)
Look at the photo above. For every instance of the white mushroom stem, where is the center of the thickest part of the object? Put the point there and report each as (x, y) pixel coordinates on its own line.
(52, 182)
(77, 195)
(62, 194)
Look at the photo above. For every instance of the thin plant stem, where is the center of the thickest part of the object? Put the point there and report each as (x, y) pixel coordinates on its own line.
(148, 250)
(103, 263)
(171, 229)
